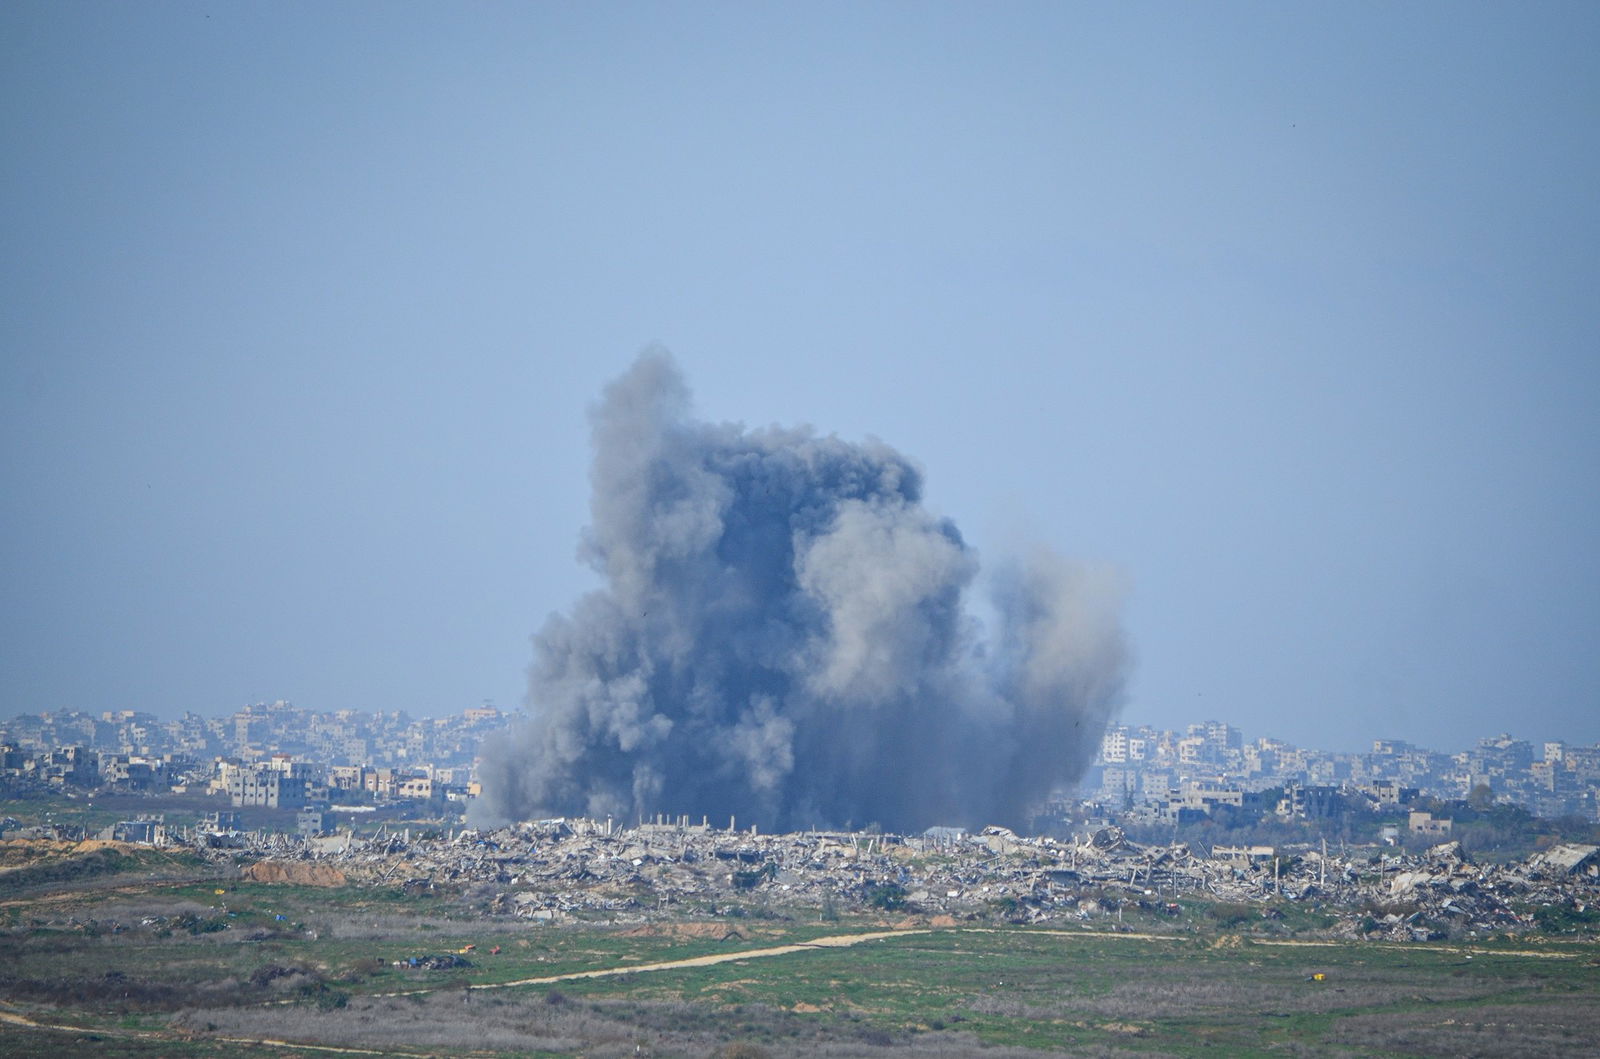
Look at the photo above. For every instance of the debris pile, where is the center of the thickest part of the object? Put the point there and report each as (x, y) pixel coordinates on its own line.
(555, 871)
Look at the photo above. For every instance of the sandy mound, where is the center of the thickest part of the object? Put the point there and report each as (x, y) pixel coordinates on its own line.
(277, 871)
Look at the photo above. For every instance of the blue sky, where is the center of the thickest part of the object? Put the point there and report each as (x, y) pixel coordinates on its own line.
(1288, 311)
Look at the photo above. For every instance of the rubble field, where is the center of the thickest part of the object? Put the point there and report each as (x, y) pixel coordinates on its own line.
(569, 937)
(565, 871)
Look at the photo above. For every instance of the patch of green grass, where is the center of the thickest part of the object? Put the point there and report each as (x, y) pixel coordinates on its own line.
(1043, 991)
(94, 961)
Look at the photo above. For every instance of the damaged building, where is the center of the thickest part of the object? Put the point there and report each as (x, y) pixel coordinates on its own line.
(573, 869)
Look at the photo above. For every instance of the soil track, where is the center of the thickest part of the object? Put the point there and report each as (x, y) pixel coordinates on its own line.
(837, 941)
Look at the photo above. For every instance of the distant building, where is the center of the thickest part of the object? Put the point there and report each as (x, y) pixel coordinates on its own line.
(129, 772)
(1389, 792)
(347, 777)
(418, 787)
(1313, 802)
(312, 820)
(146, 830)
(1428, 824)
(275, 788)
(1114, 744)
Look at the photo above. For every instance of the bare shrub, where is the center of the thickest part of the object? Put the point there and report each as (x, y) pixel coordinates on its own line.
(363, 967)
(282, 980)
(1252, 995)
(1492, 1031)
(120, 993)
(741, 1050)
(451, 1022)
(1232, 913)
(1011, 1006)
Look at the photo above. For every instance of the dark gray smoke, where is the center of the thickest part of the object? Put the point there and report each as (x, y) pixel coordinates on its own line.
(783, 637)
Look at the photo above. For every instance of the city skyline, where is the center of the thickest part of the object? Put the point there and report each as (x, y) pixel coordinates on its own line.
(1358, 745)
(481, 713)
(280, 756)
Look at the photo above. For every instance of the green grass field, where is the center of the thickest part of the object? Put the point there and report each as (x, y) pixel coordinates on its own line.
(155, 967)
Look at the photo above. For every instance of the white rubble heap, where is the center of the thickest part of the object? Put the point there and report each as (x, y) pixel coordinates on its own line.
(559, 870)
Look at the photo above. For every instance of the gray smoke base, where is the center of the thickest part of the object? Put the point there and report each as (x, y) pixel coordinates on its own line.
(783, 637)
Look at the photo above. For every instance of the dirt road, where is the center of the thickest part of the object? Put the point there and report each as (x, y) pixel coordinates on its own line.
(837, 941)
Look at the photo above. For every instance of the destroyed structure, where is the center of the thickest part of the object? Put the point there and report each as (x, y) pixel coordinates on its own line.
(556, 871)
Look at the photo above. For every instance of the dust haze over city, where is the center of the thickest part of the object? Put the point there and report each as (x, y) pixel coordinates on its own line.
(1285, 316)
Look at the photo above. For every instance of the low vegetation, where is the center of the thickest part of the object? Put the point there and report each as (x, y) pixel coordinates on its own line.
(102, 957)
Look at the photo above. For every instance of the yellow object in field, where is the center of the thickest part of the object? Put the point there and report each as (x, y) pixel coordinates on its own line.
(1319, 976)
(219, 893)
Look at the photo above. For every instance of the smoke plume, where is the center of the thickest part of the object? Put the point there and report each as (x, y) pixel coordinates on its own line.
(783, 635)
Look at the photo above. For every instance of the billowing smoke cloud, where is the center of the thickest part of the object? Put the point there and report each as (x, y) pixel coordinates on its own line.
(784, 636)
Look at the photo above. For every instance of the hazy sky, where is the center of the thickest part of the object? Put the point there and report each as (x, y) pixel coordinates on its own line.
(1290, 311)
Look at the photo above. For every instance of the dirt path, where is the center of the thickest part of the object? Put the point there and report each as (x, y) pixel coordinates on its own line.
(837, 941)
(1424, 947)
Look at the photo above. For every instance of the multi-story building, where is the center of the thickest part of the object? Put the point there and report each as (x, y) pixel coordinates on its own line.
(271, 786)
